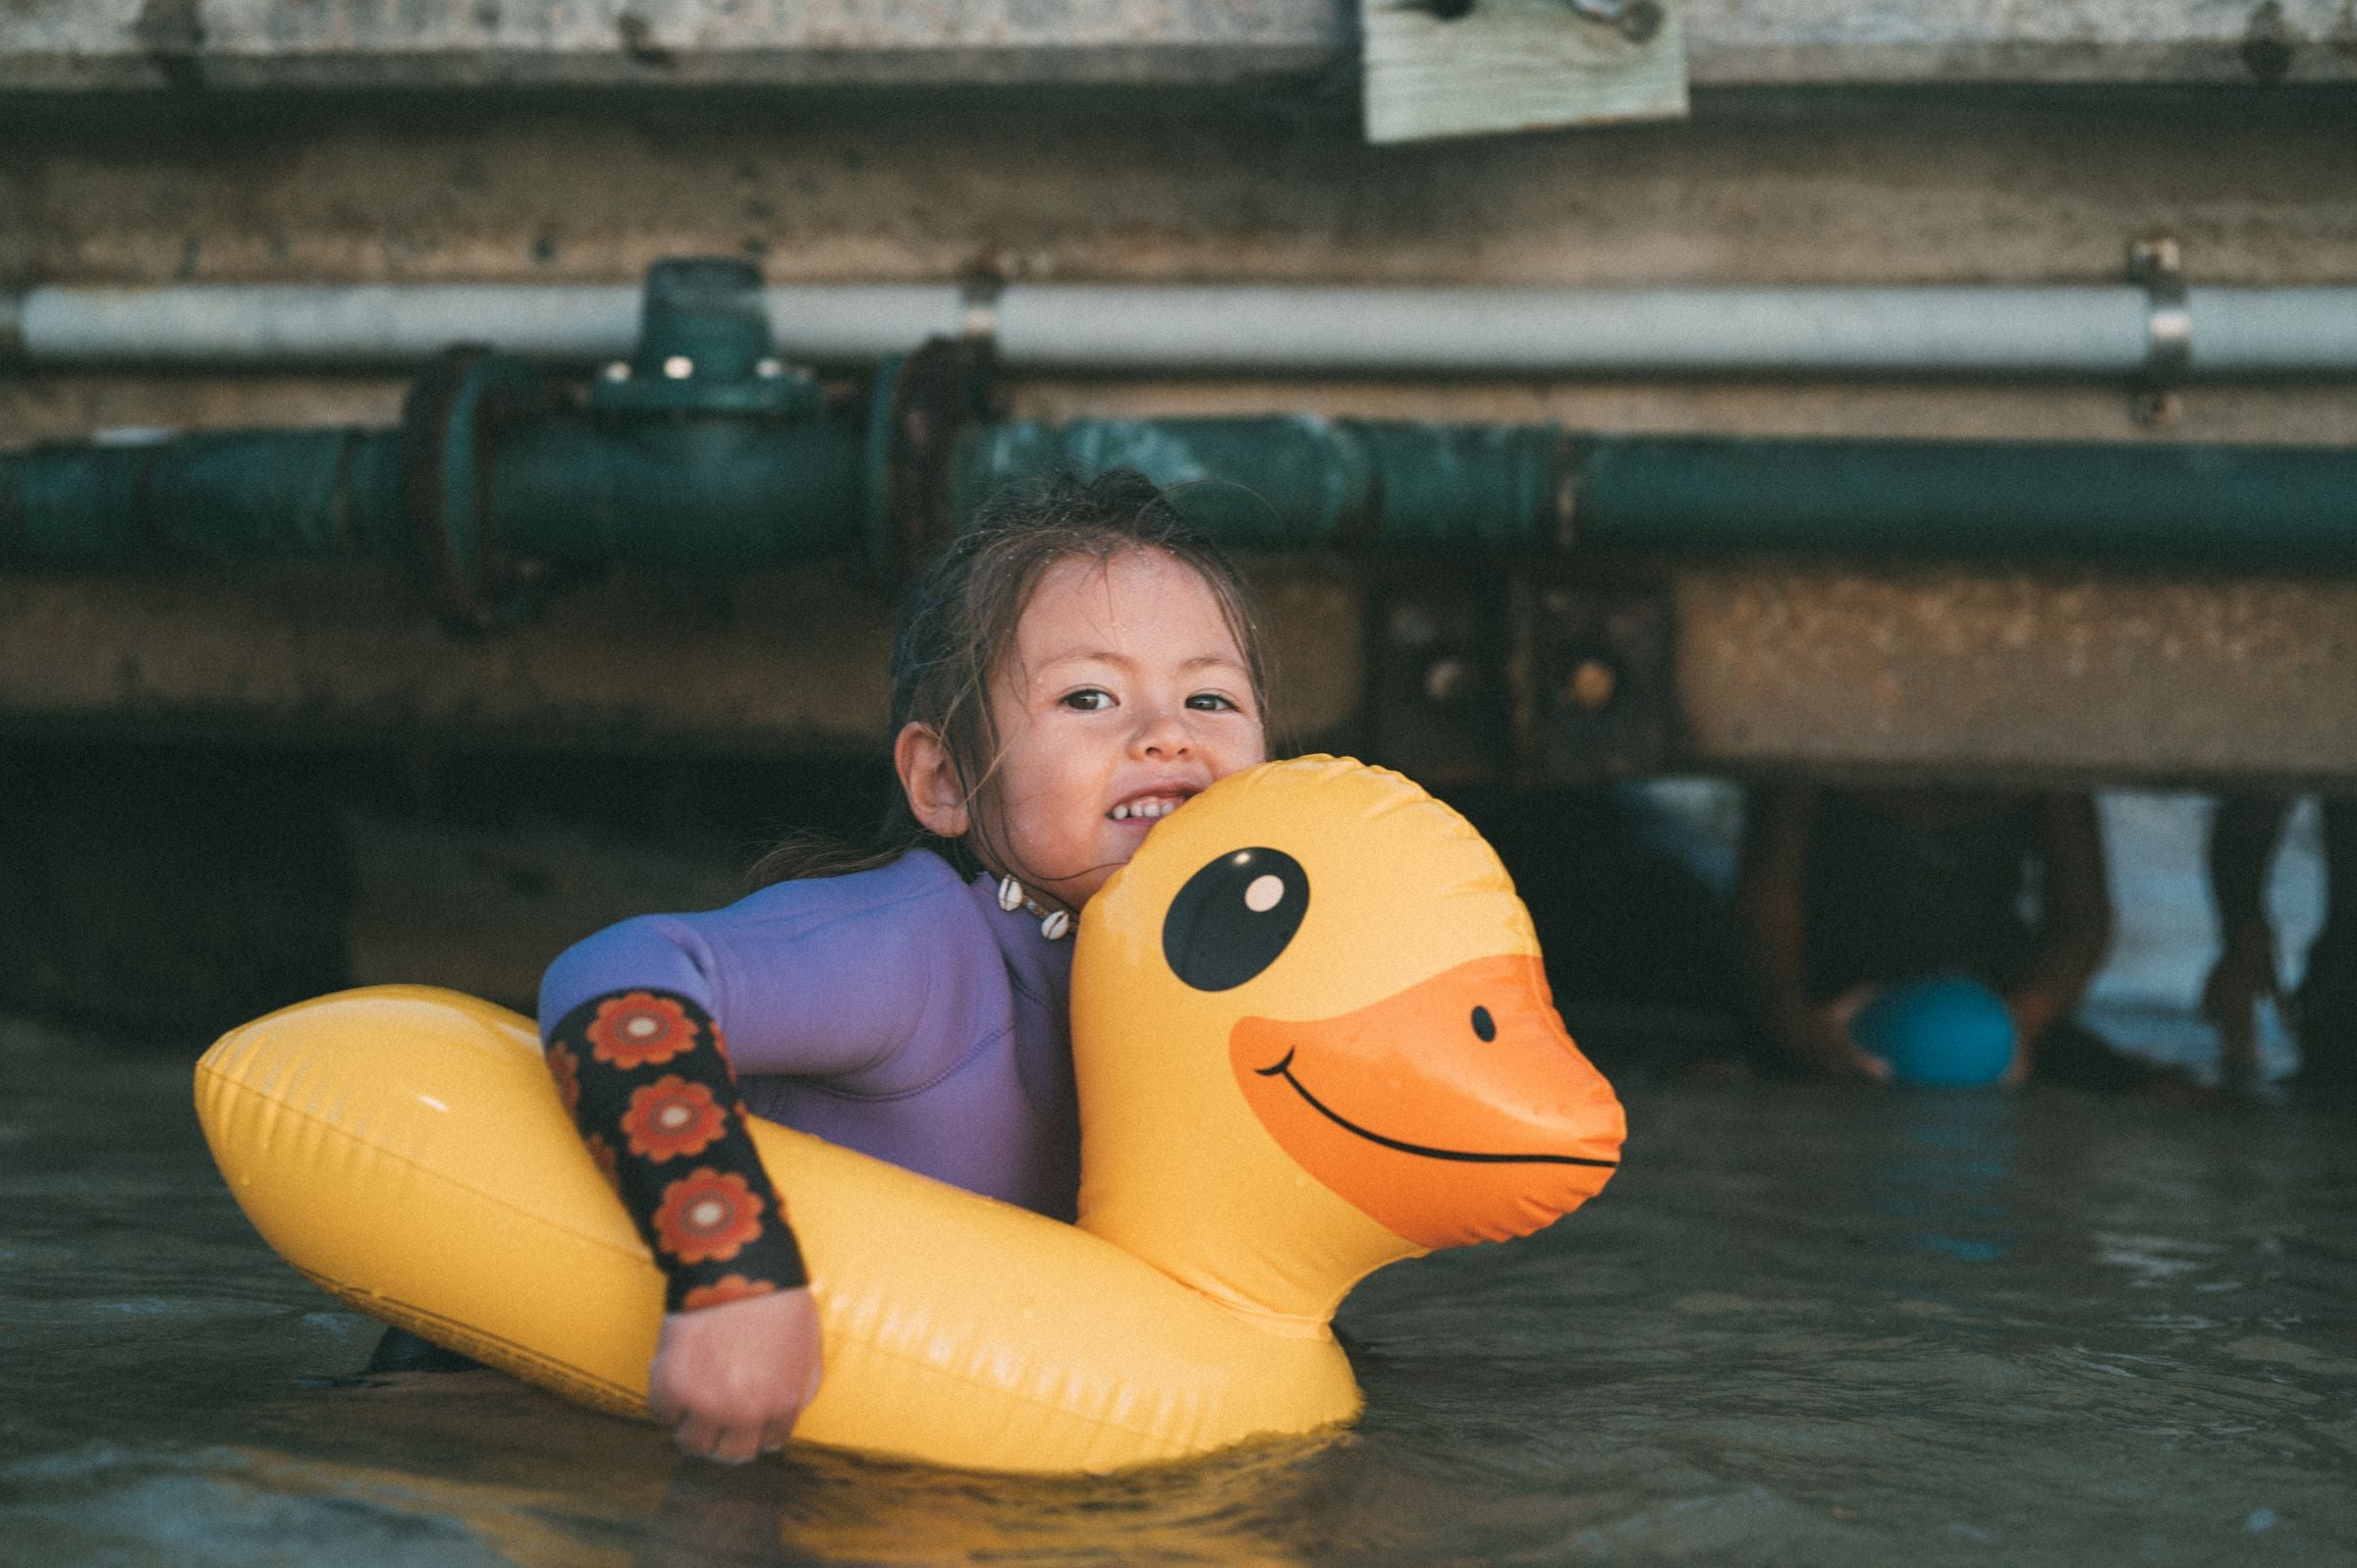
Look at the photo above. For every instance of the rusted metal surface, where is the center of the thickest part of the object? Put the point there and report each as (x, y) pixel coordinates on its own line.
(1439, 703)
(197, 44)
(1595, 674)
(2155, 679)
(1527, 676)
(774, 662)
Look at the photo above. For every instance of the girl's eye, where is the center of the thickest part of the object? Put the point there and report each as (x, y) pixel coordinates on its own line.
(1088, 699)
(1212, 702)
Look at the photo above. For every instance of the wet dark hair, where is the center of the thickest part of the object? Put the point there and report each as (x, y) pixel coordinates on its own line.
(957, 629)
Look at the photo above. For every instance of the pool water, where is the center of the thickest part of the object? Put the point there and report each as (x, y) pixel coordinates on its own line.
(1804, 1324)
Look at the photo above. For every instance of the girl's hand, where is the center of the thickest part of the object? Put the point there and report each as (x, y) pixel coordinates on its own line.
(1827, 1044)
(731, 1380)
(2243, 977)
(2034, 1012)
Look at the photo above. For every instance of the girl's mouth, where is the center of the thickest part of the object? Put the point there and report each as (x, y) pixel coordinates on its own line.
(1146, 808)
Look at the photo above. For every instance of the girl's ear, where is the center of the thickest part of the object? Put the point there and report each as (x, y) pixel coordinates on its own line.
(929, 779)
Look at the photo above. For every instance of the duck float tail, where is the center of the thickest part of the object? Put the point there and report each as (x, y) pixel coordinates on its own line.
(1311, 1035)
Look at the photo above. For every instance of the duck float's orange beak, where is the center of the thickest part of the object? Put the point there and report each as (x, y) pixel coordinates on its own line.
(1453, 1111)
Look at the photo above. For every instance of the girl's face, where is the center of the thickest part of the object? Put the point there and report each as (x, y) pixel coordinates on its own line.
(1124, 694)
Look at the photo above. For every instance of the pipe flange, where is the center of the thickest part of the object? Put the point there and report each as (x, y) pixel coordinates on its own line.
(451, 422)
(2157, 265)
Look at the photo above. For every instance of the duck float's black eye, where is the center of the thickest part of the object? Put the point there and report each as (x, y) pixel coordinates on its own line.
(1483, 1024)
(1233, 917)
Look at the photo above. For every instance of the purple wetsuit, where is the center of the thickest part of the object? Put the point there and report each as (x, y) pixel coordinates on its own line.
(898, 1011)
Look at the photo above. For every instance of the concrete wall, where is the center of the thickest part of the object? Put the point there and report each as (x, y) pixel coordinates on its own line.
(1946, 185)
(2260, 188)
(177, 45)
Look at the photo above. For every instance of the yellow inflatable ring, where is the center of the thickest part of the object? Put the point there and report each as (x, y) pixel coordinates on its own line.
(1312, 1036)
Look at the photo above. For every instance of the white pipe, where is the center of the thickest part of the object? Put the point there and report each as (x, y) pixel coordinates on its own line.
(240, 326)
(1916, 331)
(1593, 331)
(2258, 332)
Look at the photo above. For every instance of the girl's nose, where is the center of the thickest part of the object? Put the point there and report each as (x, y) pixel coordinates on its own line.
(1163, 734)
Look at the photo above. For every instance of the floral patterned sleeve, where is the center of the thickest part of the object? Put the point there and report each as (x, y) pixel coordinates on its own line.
(646, 1076)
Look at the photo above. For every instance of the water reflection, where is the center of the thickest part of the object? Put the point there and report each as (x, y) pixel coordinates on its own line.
(1945, 1171)
(1802, 1325)
(1242, 1510)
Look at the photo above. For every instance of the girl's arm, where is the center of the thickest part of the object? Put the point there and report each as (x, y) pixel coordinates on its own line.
(2076, 923)
(818, 980)
(2243, 834)
(647, 1075)
(1771, 930)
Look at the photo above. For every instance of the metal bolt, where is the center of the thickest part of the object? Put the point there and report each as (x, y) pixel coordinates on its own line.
(1592, 684)
(678, 367)
(1446, 679)
(619, 370)
(2149, 258)
(1637, 20)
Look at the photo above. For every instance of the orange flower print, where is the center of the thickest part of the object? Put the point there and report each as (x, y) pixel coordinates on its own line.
(639, 1030)
(706, 1216)
(608, 1165)
(565, 1069)
(728, 1289)
(672, 1116)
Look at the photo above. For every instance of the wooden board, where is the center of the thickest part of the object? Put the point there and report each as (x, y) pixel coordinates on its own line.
(1450, 68)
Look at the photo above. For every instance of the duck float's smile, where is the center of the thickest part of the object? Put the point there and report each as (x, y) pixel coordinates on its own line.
(1311, 1037)
(1441, 1058)
(1313, 951)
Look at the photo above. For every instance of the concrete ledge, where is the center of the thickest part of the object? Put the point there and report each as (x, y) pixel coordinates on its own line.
(1828, 668)
(774, 663)
(461, 43)
(246, 45)
(1824, 669)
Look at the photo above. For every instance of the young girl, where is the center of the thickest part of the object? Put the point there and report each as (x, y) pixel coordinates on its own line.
(1072, 669)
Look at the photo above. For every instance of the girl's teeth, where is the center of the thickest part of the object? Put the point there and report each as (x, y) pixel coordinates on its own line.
(1144, 808)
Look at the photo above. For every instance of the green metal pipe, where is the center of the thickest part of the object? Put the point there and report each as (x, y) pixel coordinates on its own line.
(2275, 508)
(211, 496)
(735, 491)
(1297, 482)
(700, 492)
(705, 493)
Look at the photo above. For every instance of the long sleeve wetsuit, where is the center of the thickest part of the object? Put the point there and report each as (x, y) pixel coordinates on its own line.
(896, 1011)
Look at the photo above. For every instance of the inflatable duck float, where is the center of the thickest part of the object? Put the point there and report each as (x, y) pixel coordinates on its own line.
(1311, 1035)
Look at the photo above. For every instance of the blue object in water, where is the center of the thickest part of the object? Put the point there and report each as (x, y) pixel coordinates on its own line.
(1946, 1030)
